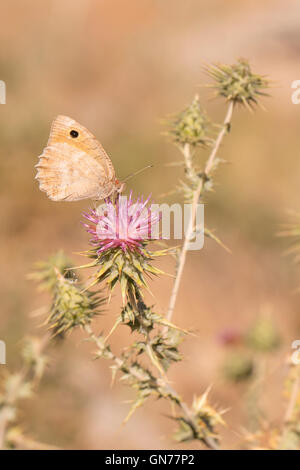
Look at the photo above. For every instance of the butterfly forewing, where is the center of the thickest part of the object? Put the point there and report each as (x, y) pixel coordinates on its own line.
(74, 165)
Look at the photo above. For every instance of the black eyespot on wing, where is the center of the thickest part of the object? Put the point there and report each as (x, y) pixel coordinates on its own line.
(74, 134)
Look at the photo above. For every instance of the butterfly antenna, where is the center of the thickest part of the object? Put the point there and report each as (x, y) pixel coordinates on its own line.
(137, 172)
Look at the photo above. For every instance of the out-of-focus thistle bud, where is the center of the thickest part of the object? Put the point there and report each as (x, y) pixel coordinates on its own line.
(71, 306)
(263, 335)
(237, 82)
(238, 367)
(229, 337)
(45, 271)
(291, 437)
(191, 126)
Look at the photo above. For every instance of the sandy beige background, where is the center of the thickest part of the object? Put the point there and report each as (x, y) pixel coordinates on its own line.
(118, 67)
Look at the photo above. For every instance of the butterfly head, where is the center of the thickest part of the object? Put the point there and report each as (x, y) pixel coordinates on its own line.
(119, 186)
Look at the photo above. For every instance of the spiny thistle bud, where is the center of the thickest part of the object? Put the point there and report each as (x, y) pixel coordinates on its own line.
(203, 421)
(191, 126)
(263, 336)
(142, 318)
(120, 233)
(71, 306)
(238, 367)
(46, 271)
(166, 348)
(237, 83)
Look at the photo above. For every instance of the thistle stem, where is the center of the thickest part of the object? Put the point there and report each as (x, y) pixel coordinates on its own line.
(11, 399)
(162, 383)
(292, 401)
(196, 196)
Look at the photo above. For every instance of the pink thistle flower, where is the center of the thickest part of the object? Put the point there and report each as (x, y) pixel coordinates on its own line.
(124, 224)
(229, 336)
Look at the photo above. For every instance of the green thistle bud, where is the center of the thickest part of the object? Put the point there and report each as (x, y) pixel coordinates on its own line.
(201, 425)
(191, 126)
(71, 306)
(238, 367)
(263, 336)
(46, 271)
(166, 348)
(142, 319)
(237, 83)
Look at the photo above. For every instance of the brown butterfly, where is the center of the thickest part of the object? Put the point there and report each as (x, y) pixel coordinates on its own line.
(74, 165)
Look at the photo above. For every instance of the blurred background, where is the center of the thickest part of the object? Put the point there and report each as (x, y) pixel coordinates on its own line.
(119, 68)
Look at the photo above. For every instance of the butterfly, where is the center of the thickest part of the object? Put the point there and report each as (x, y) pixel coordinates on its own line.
(74, 165)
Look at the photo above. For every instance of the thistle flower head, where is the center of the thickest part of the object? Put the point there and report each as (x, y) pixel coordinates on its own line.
(124, 224)
(229, 336)
(120, 233)
(191, 126)
(237, 82)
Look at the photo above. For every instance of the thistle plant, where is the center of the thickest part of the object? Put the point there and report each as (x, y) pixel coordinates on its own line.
(286, 435)
(190, 130)
(121, 232)
(263, 338)
(289, 438)
(191, 126)
(238, 84)
(121, 255)
(289, 435)
(18, 386)
(247, 349)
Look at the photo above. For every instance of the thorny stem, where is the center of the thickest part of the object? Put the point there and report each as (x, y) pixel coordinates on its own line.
(293, 400)
(208, 441)
(112, 357)
(288, 428)
(26, 443)
(5, 410)
(196, 196)
(12, 398)
(161, 382)
(255, 392)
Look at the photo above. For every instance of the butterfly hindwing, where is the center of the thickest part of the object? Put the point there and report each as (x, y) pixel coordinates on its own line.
(74, 165)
